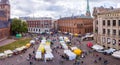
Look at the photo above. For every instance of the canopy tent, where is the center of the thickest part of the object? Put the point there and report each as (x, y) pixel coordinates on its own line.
(109, 51)
(89, 44)
(61, 38)
(41, 48)
(32, 41)
(2, 55)
(48, 49)
(38, 55)
(49, 56)
(18, 35)
(28, 45)
(76, 34)
(77, 52)
(73, 48)
(8, 53)
(64, 46)
(70, 54)
(97, 47)
(116, 54)
(70, 33)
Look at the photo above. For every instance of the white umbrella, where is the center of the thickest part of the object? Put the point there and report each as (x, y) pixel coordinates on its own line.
(32, 41)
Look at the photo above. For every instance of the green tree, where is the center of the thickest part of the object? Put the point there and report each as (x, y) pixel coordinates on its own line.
(18, 26)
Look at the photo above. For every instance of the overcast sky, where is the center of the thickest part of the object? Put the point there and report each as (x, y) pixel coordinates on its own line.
(55, 8)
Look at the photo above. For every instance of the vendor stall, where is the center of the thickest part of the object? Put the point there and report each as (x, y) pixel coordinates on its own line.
(38, 55)
(2, 56)
(97, 47)
(28, 45)
(77, 52)
(90, 44)
(49, 56)
(8, 53)
(70, 54)
(32, 42)
(116, 54)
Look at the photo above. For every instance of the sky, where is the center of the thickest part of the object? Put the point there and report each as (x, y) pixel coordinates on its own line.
(56, 8)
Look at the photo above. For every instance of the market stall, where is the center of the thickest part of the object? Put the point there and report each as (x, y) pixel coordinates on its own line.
(70, 54)
(28, 45)
(77, 52)
(97, 47)
(116, 54)
(32, 42)
(49, 56)
(38, 55)
(2, 56)
(8, 53)
(89, 44)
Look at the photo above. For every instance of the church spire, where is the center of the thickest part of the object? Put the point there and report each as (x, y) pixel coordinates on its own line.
(88, 9)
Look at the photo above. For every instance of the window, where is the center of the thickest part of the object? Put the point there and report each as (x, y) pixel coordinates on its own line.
(108, 31)
(114, 32)
(96, 21)
(114, 41)
(103, 40)
(119, 22)
(108, 22)
(119, 32)
(104, 31)
(103, 22)
(114, 22)
(119, 42)
(108, 40)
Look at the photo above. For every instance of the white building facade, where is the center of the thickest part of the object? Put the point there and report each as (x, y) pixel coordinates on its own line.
(107, 28)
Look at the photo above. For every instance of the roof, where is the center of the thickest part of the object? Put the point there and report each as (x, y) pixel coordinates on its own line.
(2, 13)
(4, 2)
(4, 24)
(74, 17)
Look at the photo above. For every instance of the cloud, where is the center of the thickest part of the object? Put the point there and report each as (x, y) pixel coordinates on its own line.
(55, 8)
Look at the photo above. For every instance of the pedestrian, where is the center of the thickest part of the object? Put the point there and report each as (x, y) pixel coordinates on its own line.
(95, 61)
(99, 58)
(82, 62)
(31, 63)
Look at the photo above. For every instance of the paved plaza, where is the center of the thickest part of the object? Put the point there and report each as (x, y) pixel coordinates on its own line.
(89, 58)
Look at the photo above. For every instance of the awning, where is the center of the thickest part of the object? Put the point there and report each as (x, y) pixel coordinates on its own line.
(116, 54)
(97, 47)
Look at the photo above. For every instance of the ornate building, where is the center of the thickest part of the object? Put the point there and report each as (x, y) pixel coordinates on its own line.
(77, 24)
(107, 27)
(4, 19)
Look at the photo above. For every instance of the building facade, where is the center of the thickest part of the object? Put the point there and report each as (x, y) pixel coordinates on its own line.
(39, 24)
(107, 27)
(79, 25)
(4, 19)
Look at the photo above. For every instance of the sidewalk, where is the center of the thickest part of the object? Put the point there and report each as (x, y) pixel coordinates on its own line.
(7, 41)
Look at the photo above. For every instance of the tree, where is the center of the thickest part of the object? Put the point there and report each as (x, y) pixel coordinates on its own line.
(18, 26)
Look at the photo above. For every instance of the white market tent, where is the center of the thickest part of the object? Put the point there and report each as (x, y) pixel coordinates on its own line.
(49, 56)
(64, 46)
(109, 50)
(61, 38)
(8, 53)
(38, 55)
(70, 54)
(73, 48)
(116, 54)
(32, 41)
(2, 55)
(97, 47)
(48, 49)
